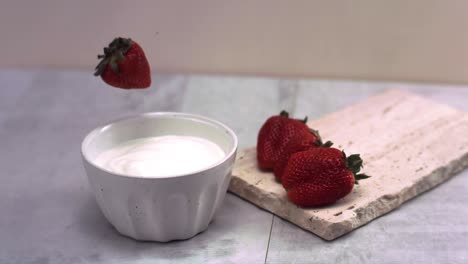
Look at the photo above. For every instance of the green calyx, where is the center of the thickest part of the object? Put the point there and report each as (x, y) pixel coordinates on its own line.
(354, 164)
(319, 141)
(113, 53)
(285, 114)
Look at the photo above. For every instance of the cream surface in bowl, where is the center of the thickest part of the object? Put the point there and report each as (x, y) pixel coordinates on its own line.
(164, 206)
(160, 156)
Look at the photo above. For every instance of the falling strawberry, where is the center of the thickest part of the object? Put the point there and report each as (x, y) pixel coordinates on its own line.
(321, 176)
(274, 135)
(299, 142)
(124, 65)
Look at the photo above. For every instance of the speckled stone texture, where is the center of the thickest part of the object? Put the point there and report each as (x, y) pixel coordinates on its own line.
(409, 145)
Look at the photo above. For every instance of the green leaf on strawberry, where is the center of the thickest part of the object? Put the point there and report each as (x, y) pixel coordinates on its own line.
(124, 65)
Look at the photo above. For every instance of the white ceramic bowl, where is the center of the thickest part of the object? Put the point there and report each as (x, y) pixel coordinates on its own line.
(163, 208)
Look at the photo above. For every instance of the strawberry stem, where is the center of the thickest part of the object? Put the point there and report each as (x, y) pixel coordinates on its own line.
(284, 113)
(303, 120)
(113, 53)
(319, 141)
(354, 164)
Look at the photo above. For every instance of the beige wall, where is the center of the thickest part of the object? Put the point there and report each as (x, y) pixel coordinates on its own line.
(423, 40)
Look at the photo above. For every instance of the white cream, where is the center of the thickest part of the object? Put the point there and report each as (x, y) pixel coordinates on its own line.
(161, 156)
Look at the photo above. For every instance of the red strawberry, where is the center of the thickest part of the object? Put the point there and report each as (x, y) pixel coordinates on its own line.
(124, 65)
(297, 143)
(321, 176)
(274, 135)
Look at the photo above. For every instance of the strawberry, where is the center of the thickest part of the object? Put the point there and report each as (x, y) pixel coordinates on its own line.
(321, 176)
(274, 135)
(124, 65)
(299, 142)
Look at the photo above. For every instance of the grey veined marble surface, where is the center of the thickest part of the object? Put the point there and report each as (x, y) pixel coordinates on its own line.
(48, 215)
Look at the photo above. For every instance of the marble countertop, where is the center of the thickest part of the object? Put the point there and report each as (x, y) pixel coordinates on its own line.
(48, 215)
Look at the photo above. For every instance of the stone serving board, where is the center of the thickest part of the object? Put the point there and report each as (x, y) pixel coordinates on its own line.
(409, 145)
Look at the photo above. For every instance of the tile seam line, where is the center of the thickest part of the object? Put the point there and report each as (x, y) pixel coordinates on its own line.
(269, 238)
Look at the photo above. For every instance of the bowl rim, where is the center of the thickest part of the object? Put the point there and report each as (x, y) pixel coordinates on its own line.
(194, 117)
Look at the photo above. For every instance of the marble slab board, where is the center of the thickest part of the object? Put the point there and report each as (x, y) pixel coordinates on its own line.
(409, 145)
